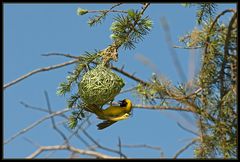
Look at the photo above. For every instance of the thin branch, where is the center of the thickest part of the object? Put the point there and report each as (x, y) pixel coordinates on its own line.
(145, 6)
(120, 70)
(116, 5)
(187, 129)
(128, 90)
(68, 139)
(39, 109)
(181, 47)
(106, 11)
(145, 146)
(185, 148)
(228, 36)
(218, 16)
(33, 107)
(39, 70)
(32, 142)
(103, 147)
(65, 64)
(52, 119)
(191, 94)
(154, 107)
(61, 54)
(213, 24)
(120, 146)
(71, 149)
(173, 53)
(22, 131)
(75, 133)
(129, 75)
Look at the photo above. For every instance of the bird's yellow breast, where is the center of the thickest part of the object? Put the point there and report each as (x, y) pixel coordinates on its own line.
(124, 116)
(116, 113)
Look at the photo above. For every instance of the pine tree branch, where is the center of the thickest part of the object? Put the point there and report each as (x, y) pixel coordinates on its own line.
(228, 36)
(213, 24)
(144, 7)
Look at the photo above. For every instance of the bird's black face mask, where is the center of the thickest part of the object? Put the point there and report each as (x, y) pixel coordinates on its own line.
(123, 103)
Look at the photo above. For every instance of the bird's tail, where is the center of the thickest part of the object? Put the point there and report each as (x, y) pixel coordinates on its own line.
(105, 124)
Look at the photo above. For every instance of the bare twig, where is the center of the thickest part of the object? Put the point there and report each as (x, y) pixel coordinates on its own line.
(39, 109)
(106, 11)
(128, 90)
(60, 54)
(33, 107)
(187, 129)
(76, 58)
(181, 47)
(77, 134)
(185, 147)
(35, 124)
(32, 142)
(103, 147)
(173, 53)
(120, 146)
(154, 107)
(129, 75)
(71, 149)
(73, 133)
(37, 71)
(52, 119)
(145, 146)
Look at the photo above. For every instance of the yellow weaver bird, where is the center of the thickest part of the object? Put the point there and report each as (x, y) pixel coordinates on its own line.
(112, 114)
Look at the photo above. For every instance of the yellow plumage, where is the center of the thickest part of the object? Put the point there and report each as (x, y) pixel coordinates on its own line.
(113, 114)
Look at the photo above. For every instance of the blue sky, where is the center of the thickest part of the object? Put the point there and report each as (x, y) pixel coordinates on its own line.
(34, 29)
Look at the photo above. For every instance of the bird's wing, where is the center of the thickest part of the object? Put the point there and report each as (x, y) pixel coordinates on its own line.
(114, 111)
(105, 124)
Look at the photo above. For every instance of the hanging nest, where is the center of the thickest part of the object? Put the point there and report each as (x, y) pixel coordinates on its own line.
(99, 86)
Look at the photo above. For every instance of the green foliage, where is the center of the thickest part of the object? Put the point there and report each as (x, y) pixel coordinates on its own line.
(97, 19)
(73, 100)
(73, 119)
(205, 12)
(81, 11)
(129, 29)
(216, 104)
(73, 78)
(100, 85)
(84, 61)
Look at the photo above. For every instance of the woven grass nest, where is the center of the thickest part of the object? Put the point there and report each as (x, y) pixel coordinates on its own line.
(99, 86)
